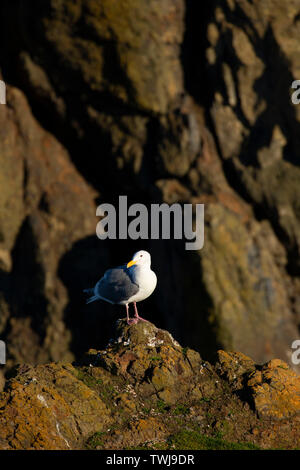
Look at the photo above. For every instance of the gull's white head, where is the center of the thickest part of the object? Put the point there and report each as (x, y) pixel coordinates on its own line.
(141, 258)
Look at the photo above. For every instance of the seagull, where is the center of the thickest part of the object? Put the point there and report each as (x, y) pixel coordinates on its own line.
(126, 284)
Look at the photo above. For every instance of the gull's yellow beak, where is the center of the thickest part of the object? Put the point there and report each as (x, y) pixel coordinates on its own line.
(131, 263)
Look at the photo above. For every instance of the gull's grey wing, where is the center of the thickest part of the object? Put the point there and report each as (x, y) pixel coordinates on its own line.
(116, 285)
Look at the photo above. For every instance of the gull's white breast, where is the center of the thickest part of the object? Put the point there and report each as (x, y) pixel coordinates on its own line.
(146, 279)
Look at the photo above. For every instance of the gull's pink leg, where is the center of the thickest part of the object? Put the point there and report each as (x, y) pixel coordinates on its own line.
(136, 313)
(130, 321)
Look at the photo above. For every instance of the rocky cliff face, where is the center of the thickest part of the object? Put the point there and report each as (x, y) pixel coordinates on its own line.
(146, 391)
(164, 102)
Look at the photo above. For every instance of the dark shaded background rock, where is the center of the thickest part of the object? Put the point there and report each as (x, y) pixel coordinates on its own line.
(164, 102)
(253, 46)
(56, 209)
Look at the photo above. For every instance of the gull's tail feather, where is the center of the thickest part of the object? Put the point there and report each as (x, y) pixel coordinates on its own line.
(90, 292)
(92, 299)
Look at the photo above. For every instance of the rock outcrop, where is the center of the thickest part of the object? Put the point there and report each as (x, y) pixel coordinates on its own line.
(146, 391)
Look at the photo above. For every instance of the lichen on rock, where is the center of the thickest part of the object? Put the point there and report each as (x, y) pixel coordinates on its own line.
(146, 391)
